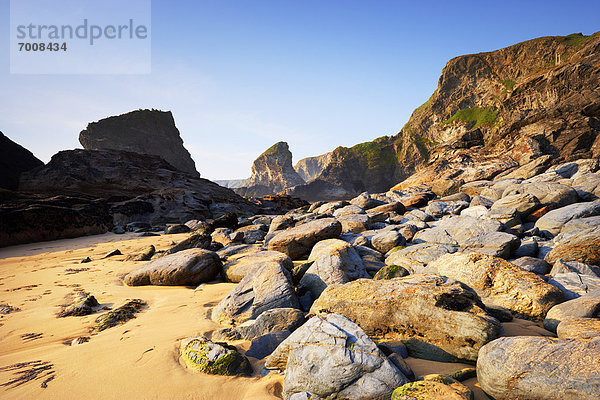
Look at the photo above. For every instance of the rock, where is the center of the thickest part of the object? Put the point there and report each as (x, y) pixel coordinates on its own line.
(436, 317)
(385, 241)
(478, 212)
(562, 267)
(185, 268)
(445, 186)
(480, 201)
(348, 210)
(86, 260)
(552, 222)
(586, 306)
(548, 193)
(115, 252)
(84, 304)
(272, 172)
(354, 223)
(253, 233)
(142, 254)
(497, 244)
(331, 356)
(579, 328)
(391, 272)
(580, 224)
(532, 168)
(299, 240)
(176, 228)
(396, 207)
(119, 315)
(28, 218)
(574, 285)
(500, 283)
(582, 247)
(538, 368)
(440, 208)
(329, 208)
(14, 159)
(281, 222)
(433, 387)
(142, 131)
(228, 220)
(528, 248)
(506, 215)
(423, 253)
(263, 289)
(197, 240)
(237, 268)
(197, 225)
(334, 261)
(270, 321)
(263, 346)
(524, 203)
(226, 236)
(532, 264)
(118, 230)
(201, 355)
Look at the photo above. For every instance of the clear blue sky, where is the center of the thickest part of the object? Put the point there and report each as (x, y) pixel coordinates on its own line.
(242, 75)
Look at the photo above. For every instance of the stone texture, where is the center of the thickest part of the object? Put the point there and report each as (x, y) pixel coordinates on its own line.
(586, 306)
(188, 267)
(501, 283)
(579, 328)
(574, 285)
(433, 387)
(142, 131)
(552, 222)
(299, 240)
(263, 289)
(237, 268)
(532, 264)
(202, 355)
(332, 357)
(540, 368)
(334, 261)
(270, 321)
(354, 223)
(582, 247)
(436, 317)
(423, 253)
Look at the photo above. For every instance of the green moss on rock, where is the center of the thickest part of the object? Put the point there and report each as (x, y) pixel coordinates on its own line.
(391, 272)
(202, 355)
(479, 116)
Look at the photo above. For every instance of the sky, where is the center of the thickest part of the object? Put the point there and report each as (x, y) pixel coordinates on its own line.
(240, 76)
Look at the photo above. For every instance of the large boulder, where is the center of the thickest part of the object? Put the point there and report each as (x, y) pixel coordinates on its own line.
(187, 267)
(334, 261)
(548, 193)
(299, 240)
(423, 253)
(332, 357)
(540, 368)
(573, 284)
(270, 321)
(142, 131)
(586, 306)
(261, 290)
(501, 283)
(552, 222)
(237, 268)
(578, 328)
(14, 159)
(437, 317)
(584, 247)
(456, 230)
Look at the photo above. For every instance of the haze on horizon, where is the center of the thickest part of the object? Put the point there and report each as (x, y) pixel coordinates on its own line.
(240, 76)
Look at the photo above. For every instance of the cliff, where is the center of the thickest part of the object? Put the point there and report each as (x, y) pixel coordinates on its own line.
(142, 131)
(498, 109)
(14, 160)
(272, 172)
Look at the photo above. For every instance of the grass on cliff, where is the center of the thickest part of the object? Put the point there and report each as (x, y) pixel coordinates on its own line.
(573, 40)
(509, 84)
(375, 153)
(481, 116)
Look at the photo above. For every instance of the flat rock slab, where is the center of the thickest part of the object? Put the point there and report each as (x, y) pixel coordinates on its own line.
(587, 306)
(552, 222)
(540, 368)
(236, 269)
(438, 318)
(501, 283)
(188, 268)
(332, 357)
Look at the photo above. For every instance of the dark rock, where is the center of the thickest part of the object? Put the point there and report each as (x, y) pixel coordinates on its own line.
(115, 252)
(197, 240)
(263, 346)
(84, 304)
(176, 228)
(142, 131)
(14, 159)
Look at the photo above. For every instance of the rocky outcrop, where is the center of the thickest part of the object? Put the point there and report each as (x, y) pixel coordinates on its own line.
(14, 159)
(490, 113)
(142, 131)
(272, 172)
(26, 218)
(140, 187)
(310, 168)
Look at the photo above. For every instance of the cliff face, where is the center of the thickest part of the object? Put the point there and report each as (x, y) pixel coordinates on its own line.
(143, 131)
(272, 172)
(14, 160)
(310, 168)
(497, 109)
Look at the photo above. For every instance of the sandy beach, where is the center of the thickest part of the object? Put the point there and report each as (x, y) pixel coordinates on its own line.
(136, 360)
